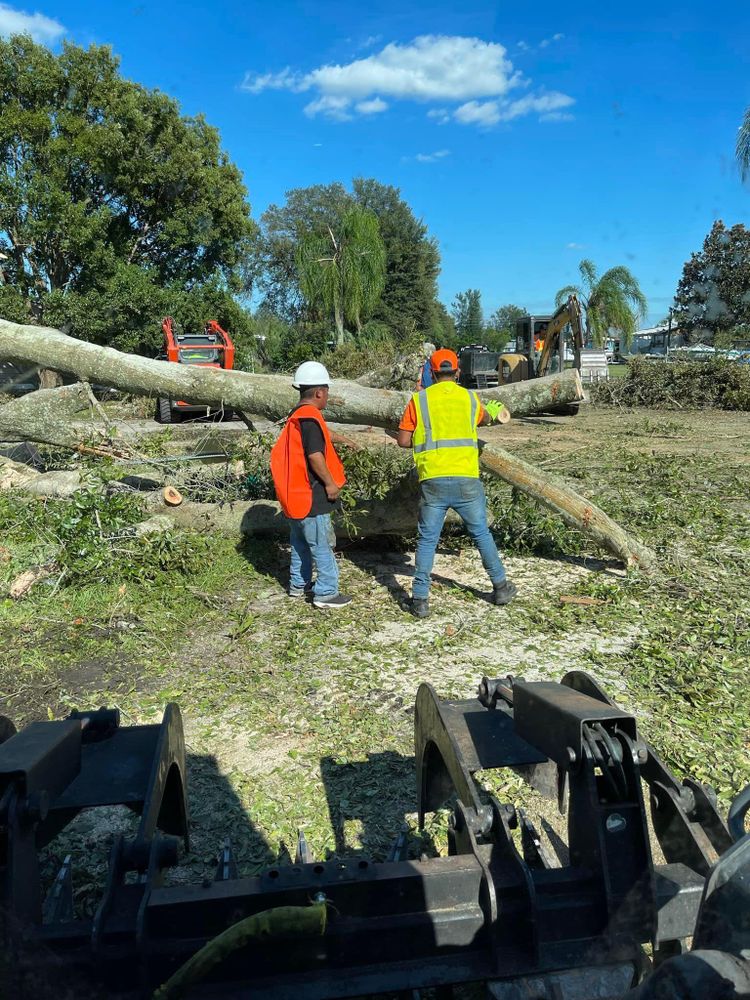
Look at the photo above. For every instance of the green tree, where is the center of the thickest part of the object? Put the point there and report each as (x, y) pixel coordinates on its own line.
(343, 271)
(409, 297)
(612, 300)
(409, 300)
(112, 205)
(501, 326)
(743, 146)
(712, 295)
(467, 315)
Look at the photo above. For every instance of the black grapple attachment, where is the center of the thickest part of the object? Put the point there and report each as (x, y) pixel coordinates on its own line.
(526, 910)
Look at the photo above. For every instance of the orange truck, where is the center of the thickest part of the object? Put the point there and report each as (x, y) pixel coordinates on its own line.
(211, 349)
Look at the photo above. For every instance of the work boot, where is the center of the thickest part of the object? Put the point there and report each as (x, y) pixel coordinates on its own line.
(420, 607)
(503, 593)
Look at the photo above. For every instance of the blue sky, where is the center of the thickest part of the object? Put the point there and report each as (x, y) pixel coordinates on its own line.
(526, 135)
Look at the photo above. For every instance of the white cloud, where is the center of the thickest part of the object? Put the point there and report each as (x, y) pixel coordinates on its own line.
(475, 75)
(440, 115)
(542, 104)
(557, 116)
(548, 41)
(482, 113)
(373, 107)
(285, 79)
(488, 113)
(439, 154)
(370, 41)
(336, 108)
(17, 22)
(574, 246)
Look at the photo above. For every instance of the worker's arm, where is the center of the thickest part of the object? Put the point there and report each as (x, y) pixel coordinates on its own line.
(318, 465)
(407, 426)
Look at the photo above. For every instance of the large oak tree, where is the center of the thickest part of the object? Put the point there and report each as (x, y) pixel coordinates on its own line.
(113, 206)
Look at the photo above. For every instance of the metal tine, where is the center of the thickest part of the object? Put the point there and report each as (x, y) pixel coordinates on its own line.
(58, 904)
(534, 853)
(304, 854)
(399, 846)
(226, 867)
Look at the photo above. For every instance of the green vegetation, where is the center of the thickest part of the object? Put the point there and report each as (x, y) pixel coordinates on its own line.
(711, 302)
(342, 272)
(408, 299)
(678, 385)
(613, 299)
(114, 208)
(227, 644)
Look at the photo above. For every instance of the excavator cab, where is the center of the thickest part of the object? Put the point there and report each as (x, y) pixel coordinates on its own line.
(543, 344)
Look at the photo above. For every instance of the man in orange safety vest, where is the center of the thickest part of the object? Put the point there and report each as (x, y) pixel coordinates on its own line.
(308, 476)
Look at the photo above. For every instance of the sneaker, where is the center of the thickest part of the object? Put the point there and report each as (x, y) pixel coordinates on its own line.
(305, 591)
(503, 593)
(337, 601)
(420, 607)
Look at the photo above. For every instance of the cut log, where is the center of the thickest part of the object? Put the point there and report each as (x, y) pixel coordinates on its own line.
(395, 514)
(267, 395)
(576, 511)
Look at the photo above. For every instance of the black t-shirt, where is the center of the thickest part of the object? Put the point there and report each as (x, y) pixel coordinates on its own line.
(312, 443)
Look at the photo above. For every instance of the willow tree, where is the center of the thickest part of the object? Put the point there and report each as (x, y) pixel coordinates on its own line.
(612, 300)
(743, 146)
(342, 273)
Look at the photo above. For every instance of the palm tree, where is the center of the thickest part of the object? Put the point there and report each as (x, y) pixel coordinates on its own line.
(614, 300)
(344, 273)
(743, 146)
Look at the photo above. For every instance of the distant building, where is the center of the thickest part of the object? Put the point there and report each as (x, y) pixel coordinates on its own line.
(656, 340)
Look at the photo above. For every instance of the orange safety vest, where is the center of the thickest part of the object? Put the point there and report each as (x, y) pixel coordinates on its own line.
(289, 466)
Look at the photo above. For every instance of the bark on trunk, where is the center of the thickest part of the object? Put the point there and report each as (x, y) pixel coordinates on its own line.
(575, 510)
(266, 395)
(395, 514)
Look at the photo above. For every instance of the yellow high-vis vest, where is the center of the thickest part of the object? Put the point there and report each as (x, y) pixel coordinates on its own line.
(445, 439)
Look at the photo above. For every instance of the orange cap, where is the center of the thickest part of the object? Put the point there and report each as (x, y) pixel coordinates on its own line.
(444, 361)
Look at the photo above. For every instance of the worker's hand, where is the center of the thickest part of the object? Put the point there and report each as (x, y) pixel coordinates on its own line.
(332, 491)
(499, 413)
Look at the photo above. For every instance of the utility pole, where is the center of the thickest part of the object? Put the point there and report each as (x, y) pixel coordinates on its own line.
(669, 330)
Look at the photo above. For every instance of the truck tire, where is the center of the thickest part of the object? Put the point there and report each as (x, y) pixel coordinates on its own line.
(163, 413)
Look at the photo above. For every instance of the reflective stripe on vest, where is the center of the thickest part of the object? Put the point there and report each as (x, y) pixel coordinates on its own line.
(445, 438)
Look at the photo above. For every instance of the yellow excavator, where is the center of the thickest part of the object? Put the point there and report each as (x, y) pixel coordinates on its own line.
(539, 339)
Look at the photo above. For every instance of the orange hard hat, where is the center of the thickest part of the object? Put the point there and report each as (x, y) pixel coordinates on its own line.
(444, 361)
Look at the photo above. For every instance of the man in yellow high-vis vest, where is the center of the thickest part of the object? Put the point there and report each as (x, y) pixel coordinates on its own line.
(440, 425)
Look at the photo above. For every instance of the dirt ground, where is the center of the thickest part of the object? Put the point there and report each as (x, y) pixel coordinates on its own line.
(300, 719)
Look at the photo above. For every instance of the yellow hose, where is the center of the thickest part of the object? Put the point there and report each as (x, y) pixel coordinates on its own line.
(301, 921)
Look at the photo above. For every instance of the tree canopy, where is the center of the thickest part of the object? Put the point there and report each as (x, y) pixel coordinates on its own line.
(613, 300)
(113, 206)
(408, 300)
(712, 295)
(343, 270)
(466, 309)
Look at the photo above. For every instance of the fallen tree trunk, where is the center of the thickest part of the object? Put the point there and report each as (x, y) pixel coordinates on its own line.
(394, 514)
(266, 395)
(576, 511)
(273, 396)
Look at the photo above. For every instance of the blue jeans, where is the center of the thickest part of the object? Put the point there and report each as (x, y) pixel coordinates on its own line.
(466, 496)
(311, 540)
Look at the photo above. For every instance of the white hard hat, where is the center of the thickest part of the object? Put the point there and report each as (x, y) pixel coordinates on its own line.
(311, 373)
